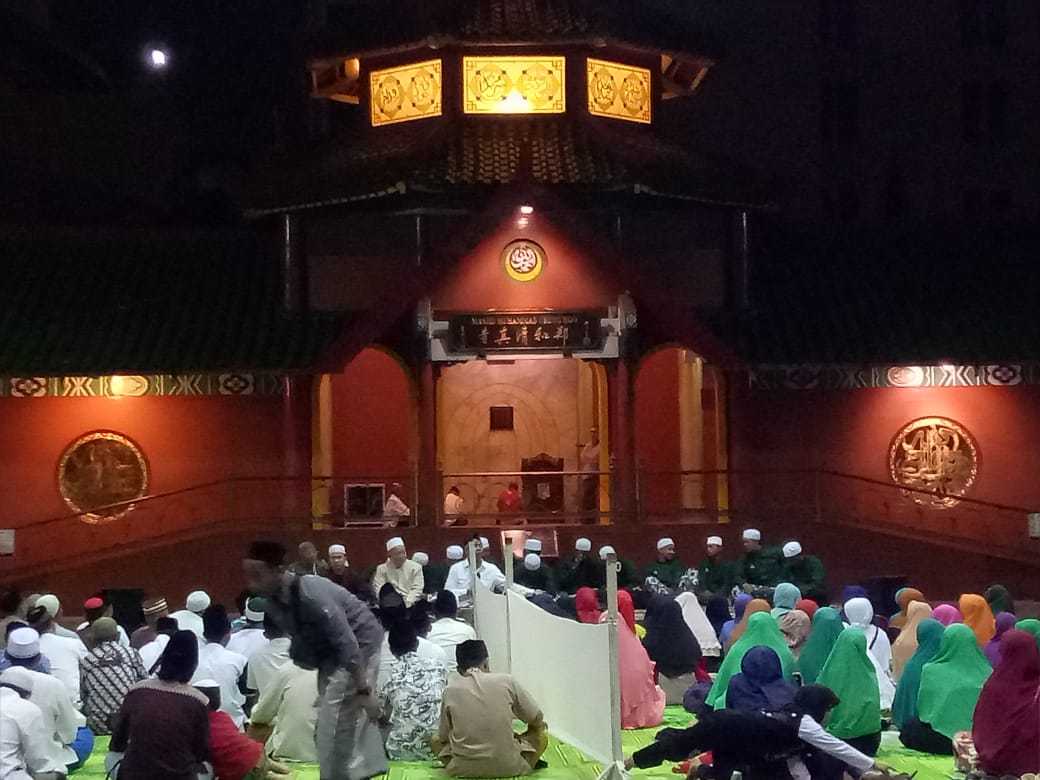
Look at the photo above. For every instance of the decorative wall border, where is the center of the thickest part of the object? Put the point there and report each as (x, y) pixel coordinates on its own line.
(817, 377)
(134, 385)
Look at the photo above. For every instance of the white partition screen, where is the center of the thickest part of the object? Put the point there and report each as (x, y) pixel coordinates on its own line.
(491, 622)
(566, 667)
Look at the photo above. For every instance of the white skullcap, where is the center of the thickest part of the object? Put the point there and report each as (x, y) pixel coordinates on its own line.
(397, 541)
(421, 558)
(533, 545)
(50, 604)
(484, 543)
(254, 611)
(207, 683)
(667, 541)
(337, 549)
(792, 549)
(197, 601)
(583, 544)
(23, 643)
(716, 540)
(753, 534)
(532, 562)
(455, 553)
(606, 550)
(19, 677)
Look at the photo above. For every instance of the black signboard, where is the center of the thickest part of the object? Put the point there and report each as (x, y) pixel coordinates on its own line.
(526, 332)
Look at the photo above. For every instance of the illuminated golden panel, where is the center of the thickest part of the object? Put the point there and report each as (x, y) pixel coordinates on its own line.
(619, 91)
(514, 85)
(405, 93)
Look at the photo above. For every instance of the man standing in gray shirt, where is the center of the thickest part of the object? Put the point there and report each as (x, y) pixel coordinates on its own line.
(336, 634)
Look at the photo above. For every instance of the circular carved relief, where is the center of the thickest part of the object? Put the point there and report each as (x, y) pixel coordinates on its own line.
(523, 260)
(100, 469)
(937, 455)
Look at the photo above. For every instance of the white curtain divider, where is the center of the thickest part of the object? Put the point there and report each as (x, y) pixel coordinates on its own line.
(492, 624)
(565, 665)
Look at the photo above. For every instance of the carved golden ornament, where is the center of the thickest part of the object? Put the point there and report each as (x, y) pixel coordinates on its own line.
(619, 91)
(514, 85)
(937, 455)
(100, 469)
(404, 93)
(523, 260)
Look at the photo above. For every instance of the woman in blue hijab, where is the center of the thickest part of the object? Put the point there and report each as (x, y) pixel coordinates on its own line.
(760, 686)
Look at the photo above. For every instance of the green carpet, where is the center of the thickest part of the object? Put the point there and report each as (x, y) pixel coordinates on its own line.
(567, 763)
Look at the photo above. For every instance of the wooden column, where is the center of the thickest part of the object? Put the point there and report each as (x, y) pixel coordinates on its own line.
(429, 487)
(622, 440)
(296, 446)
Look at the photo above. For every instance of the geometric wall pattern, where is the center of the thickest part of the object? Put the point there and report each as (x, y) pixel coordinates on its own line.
(815, 377)
(132, 385)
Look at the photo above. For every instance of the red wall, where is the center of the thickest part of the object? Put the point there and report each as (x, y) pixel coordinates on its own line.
(570, 279)
(657, 430)
(373, 419)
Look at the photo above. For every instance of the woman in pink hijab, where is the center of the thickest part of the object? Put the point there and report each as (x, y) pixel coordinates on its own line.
(947, 614)
(642, 700)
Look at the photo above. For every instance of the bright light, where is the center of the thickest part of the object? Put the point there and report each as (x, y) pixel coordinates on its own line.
(157, 58)
(527, 210)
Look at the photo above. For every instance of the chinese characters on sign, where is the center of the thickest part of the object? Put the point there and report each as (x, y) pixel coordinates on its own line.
(526, 332)
(404, 93)
(513, 85)
(619, 91)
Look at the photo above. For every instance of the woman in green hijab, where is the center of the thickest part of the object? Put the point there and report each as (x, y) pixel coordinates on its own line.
(826, 628)
(761, 630)
(950, 687)
(1032, 625)
(850, 673)
(904, 707)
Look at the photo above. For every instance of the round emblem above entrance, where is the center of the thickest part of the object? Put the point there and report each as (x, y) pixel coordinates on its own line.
(523, 260)
(101, 469)
(936, 455)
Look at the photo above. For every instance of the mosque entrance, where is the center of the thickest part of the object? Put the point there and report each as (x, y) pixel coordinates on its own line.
(541, 422)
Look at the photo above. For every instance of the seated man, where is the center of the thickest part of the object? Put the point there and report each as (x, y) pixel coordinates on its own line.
(448, 631)
(476, 737)
(410, 697)
(286, 714)
(234, 755)
(406, 576)
(23, 744)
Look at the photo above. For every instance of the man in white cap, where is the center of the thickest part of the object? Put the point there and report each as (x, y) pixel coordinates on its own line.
(580, 569)
(666, 568)
(406, 576)
(190, 618)
(61, 720)
(716, 576)
(23, 649)
(533, 574)
(759, 567)
(343, 575)
(23, 743)
(63, 653)
(458, 575)
(806, 572)
(249, 639)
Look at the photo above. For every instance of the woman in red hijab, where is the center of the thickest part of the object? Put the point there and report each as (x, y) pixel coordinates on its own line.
(808, 606)
(1006, 727)
(586, 604)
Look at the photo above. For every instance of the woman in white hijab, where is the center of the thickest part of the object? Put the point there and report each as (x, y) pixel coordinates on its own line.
(860, 613)
(694, 617)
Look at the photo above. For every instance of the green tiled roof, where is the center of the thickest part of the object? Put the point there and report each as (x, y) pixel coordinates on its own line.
(74, 305)
(362, 26)
(891, 299)
(476, 154)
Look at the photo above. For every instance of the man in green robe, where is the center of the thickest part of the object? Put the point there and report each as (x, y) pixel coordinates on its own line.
(534, 574)
(759, 567)
(806, 572)
(668, 569)
(715, 575)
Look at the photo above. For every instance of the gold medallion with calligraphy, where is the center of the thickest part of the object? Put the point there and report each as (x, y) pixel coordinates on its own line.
(101, 469)
(619, 91)
(523, 260)
(935, 455)
(405, 93)
(514, 85)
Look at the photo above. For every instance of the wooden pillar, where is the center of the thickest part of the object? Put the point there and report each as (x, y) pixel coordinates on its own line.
(429, 489)
(321, 447)
(296, 446)
(622, 440)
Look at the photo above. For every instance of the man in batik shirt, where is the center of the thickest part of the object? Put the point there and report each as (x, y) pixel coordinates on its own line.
(106, 674)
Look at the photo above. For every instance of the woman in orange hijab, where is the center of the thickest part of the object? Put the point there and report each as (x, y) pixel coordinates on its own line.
(903, 598)
(978, 616)
(755, 605)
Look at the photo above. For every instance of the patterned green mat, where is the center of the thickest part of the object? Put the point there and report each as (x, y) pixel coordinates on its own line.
(567, 763)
